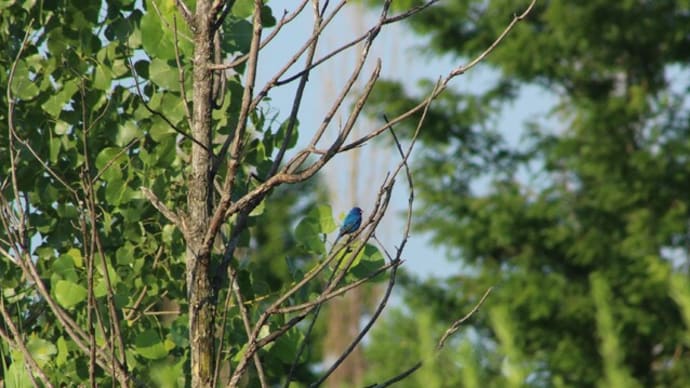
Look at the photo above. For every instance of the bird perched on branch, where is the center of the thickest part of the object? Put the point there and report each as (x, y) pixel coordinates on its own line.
(351, 223)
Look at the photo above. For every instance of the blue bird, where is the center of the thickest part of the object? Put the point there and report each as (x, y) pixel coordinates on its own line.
(352, 222)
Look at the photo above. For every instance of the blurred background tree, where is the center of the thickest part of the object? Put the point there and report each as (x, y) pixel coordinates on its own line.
(579, 226)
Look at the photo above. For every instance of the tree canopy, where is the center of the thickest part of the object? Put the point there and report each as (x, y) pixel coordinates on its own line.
(582, 230)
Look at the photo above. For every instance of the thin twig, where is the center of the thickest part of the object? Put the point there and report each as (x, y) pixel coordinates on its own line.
(16, 341)
(403, 164)
(451, 330)
(285, 19)
(485, 53)
(456, 325)
(297, 100)
(21, 231)
(186, 13)
(382, 22)
(364, 331)
(114, 159)
(88, 247)
(247, 326)
(442, 85)
(137, 303)
(221, 336)
(164, 210)
(397, 378)
(340, 291)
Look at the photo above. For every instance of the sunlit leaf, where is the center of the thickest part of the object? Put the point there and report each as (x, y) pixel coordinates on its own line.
(68, 294)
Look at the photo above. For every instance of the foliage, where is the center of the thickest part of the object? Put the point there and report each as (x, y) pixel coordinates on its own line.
(598, 187)
(97, 177)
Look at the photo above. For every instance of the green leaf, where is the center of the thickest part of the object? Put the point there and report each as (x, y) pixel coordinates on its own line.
(68, 293)
(243, 8)
(124, 254)
(267, 18)
(164, 75)
(41, 350)
(159, 129)
(61, 127)
(286, 346)
(155, 41)
(102, 78)
(239, 35)
(62, 353)
(63, 268)
(114, 277)
(308, 234)
(54, 144)
(324, 213)
(75, 255)
(259, 209)
(168, 373)
(23, 86)
(126, 132)
(169, 103)
(54, 105)
(105, 156)
(149, 345)
(280, 136)
(369, 260)
(114, 190)
(17, 376)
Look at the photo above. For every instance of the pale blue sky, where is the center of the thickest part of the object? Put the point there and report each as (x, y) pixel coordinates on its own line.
(401, 60)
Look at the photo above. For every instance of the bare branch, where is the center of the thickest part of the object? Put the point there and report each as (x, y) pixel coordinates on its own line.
(186, 13)
(451, 330)
(341, 270)
(442, 84)
(297, 100)
(338, 292)
(219, 78)
(238, 139)
(95, 241)
(218, 22)
(160, 206)
(410, 12)
(456, 325)
(75, 331)
(485, 53)
(403, 163)
(397, 378)
(382, 22)
(365, 329)
(221, 342)
(298, 54)
(287, 18)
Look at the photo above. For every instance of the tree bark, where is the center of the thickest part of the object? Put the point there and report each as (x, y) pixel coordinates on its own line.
(199, 291)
